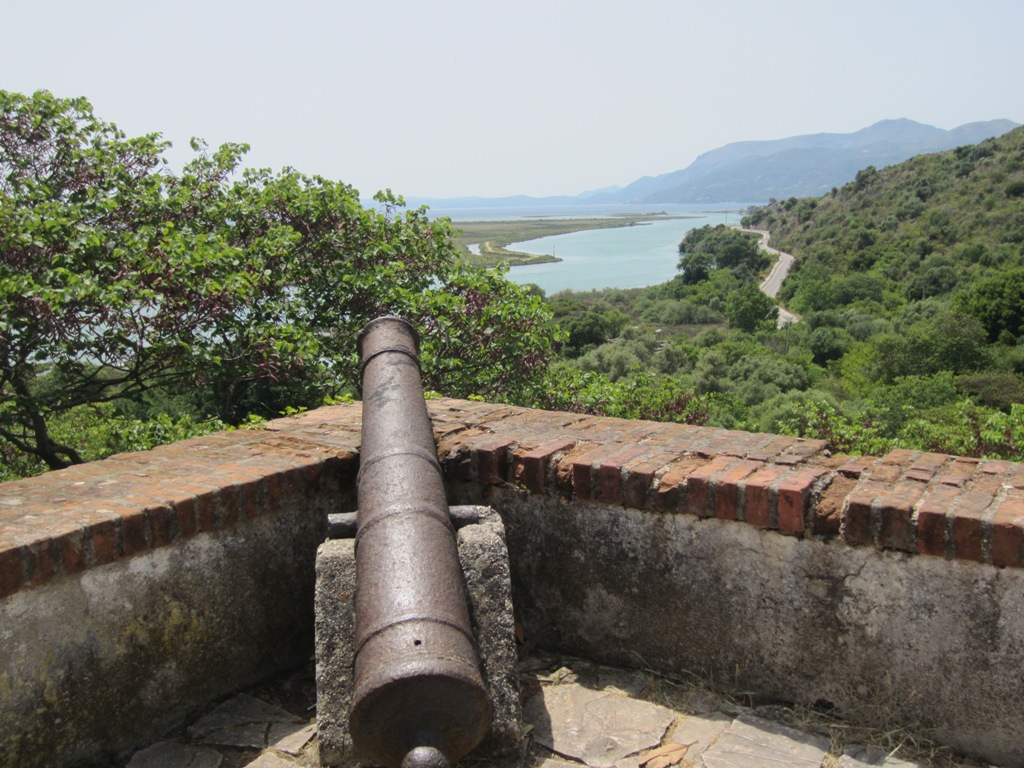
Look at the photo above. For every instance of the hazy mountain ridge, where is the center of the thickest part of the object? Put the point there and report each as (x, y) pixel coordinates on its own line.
(800, 165)
(756, 171)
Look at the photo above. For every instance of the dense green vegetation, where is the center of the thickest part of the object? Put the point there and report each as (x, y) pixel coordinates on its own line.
(910, 285)
(139, 306)
(162, 304)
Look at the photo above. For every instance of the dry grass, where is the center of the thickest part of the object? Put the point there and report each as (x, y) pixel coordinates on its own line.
(692, 695)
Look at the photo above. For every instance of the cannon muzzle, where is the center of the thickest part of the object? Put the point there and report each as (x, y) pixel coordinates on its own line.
(418, 700)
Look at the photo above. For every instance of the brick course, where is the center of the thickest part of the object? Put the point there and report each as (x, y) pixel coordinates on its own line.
(924, 503)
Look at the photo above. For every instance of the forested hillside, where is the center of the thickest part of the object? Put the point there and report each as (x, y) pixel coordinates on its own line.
(910, 286)
(946, 226)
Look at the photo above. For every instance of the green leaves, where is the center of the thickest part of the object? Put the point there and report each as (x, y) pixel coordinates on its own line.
(250, 285)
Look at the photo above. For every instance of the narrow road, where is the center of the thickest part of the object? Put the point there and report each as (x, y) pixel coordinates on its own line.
(773, 281)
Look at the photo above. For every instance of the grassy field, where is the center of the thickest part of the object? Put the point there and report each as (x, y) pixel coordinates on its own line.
(493, 237)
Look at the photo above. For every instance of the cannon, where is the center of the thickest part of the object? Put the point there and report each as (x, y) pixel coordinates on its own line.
(418, 699)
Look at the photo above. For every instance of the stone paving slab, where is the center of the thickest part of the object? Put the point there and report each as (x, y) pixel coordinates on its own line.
(595, 727)
(699, 731)
(751, 742)
(171, 754)
(290, 738)
(244, 721)
(857, 756)
(242, 725)
(270, 760)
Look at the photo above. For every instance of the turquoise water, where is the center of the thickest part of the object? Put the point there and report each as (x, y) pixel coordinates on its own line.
(623, 257)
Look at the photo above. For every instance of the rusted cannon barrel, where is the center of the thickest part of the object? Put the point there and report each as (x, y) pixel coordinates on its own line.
(418, 699)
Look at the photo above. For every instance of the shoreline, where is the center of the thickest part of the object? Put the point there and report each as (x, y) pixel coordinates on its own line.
(493, 237)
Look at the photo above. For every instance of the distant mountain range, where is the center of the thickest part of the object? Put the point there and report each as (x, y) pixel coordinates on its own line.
(756, 171)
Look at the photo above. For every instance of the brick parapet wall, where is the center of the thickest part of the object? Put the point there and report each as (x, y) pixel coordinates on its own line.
(914, 502)
(933, 504)
(63, 522)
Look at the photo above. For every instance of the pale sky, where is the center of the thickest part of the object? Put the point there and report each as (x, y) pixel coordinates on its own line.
(538, 97)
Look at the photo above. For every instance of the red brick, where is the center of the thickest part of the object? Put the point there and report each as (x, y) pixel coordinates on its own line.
(292, 488)
(925, 466)
(602, 429)
(886, 472)
(273, 493)
(758, 493)
(673, 438)
(247, 480)
(488, 413)
(490, 458)
(1008, 534)
(997, 467)
(987, 485)
(931, 519)
(642, 431)
(539, 423)
(611, 470)
(958, 473)
(563, 471)
(163, 525)
(699, 485)
(40, 560)
(801, 451)
(727, 488)
(582, 470)
(896, 513)
(74, 551)
(827, 519)
(12, 569)
(745, 443)
(670, 494)
(135, 536)
(204, 504)
(857, 525)
(707, 442)
(312, 477)
(250, 502)
(640, 480)
(855, 466)
(106, 545)
(969, 526)
(794, 492)
(901, 457)
(185, 511)
(530, 467)
(772, 450)
(227, 504)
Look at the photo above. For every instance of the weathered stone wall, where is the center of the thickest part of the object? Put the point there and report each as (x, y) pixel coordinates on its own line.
(881, 637)
(134, 588)
(143, 587)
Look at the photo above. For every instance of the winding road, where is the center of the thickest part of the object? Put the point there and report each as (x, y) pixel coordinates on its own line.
(773, 281)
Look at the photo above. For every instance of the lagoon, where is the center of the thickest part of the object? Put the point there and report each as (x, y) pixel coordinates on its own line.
(626, 257)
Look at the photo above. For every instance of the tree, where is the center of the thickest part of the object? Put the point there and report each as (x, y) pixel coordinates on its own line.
(696, 267)
(945, 341)
(998, 302)
(118, 276)
(748, 309)
(706, 248)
